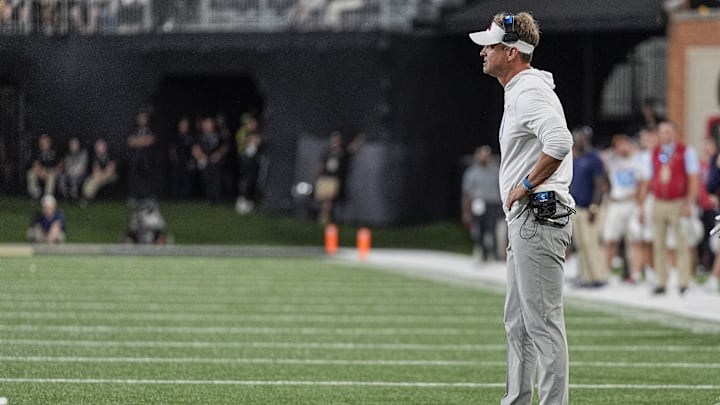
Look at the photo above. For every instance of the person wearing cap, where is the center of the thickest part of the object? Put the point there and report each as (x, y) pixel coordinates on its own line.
(535, 176)
(48, 226)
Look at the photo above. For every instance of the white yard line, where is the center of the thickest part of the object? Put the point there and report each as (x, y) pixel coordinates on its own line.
(653, 387)
(347, 346)
(54, 302)
(236, 297)
(210, 316)
(210, 330)
(220, 330)
(335, 362)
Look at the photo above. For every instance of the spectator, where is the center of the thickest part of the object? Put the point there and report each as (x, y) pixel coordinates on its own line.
(641, 227)
(73, 170)
(140, 144)
(303, 11)
(708, 204)
(147, 225)
(182, 163)
(713, 282)
(675, 184)
(335, 9)
(626, 172)
(331, 174)
(228, 175)
(249, 143)
(209, 151)
(103, 15)
(44, 169)
(76, 16)
(481, 203)
(7, 11)
(221, 126)
(48, 226)
(713, 187)
(49, 16)
(587, 188)
(104, 171)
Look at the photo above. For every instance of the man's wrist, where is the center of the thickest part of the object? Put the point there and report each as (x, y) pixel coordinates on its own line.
(526, 184)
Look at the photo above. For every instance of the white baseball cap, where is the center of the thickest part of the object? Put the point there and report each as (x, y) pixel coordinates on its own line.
(494, 35)
(48, 201)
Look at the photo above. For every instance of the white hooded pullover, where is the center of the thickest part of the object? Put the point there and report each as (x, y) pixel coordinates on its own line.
(533, 121)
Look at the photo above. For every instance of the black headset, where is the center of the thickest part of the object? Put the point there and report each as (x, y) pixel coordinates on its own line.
(509, 26)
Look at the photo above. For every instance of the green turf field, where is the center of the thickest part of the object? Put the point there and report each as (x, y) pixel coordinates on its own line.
(196, 222)
(122, 330)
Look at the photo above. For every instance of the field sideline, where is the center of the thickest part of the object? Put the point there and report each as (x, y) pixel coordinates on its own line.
(136, 330)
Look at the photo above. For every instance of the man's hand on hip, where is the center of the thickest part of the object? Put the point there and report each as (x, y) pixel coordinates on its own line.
(516, 194)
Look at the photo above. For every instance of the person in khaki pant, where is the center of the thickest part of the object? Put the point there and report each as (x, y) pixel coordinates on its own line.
(104, 171)
(588, 186)
(675, 183)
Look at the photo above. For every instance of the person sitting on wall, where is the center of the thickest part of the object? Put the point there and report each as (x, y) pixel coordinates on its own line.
(48, 226)
(104, 171)
(73, 170)
(43, 170)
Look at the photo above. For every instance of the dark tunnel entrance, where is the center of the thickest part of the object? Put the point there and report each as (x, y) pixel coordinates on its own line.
(198, 96)
(11, 143)
(193, 96)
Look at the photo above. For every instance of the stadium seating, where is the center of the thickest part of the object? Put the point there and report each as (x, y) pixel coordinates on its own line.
(142, 16)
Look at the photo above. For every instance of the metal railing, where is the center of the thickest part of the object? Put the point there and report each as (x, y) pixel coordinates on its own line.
(641, 78)
(57, 17)
(51, 17)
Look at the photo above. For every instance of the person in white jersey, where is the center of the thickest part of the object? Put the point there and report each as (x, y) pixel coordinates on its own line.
(626, 172)
(535, 176)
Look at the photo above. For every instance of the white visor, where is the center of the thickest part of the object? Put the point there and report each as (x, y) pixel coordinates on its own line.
(494, 35)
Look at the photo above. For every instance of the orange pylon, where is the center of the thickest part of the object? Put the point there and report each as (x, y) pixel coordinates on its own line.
(364, 241)
(331, 239)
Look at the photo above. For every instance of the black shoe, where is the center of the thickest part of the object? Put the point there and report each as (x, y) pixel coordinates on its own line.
(682, 290)
(659, 290)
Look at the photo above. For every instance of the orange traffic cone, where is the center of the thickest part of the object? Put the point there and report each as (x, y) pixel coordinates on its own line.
(331, 239)
(364, 241)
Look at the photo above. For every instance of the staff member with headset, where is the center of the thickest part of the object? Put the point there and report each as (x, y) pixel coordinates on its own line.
(535, 176)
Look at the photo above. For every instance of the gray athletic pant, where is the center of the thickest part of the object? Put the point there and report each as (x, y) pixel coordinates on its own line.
(534, 319)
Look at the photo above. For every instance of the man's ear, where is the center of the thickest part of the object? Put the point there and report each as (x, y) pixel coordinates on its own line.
(514, 53)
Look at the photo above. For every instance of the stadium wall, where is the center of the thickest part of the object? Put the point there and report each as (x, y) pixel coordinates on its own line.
(421, 99)
(694, 72)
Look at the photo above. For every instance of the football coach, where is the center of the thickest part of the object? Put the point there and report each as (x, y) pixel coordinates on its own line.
(535, 176)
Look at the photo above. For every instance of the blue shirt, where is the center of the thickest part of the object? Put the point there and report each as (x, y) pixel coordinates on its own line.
(713, 180)
(586, 169)
(46, 223)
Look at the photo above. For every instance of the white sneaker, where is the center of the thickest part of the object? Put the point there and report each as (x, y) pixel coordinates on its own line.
(712, 284)
(650, 277)
(243, 206)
